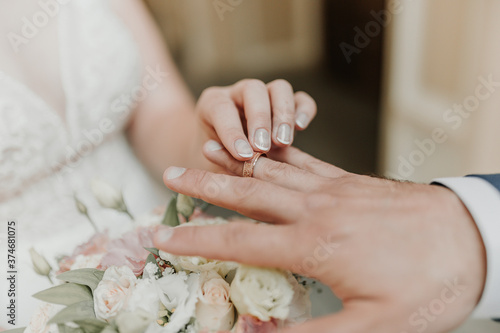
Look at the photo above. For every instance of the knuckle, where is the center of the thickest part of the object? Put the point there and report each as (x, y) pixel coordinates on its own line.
(210, 91)
(233, 235)
(275, 170)
(244, 188)
(254, 84)
(225, 106)
(208, 187)
(303, 95)
(284, 107)
(307, 100)
(280, 83)
(311, 164)
(316, 201)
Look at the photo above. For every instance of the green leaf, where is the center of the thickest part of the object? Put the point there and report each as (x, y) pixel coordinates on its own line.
(171, 217)
(75, 312)
(152, 250)
(68, 329)
(65, 294)
(15, 330)
(91, 325)
(151, 259)
(110, 329)
(87, 276)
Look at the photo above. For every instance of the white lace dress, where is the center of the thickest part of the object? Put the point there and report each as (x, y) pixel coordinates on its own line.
(45, 160)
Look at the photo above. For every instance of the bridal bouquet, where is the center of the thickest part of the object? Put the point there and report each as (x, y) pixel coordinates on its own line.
(126, 285)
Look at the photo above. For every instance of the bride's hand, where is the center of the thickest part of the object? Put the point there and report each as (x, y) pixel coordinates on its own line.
(250, 115)
(402, 257)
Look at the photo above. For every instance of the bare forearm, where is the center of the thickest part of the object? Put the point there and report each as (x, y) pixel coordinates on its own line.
(165, 138)
(163, 130)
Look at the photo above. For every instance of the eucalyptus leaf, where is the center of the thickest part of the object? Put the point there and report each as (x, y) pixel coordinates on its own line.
(151, 259)
(110, 329)
(171, 217)
(61, 328)
(65, 294)
(75, 312)
(68, 329)
(152, 250)
(91, 325)
(87, 276)
(15, 330)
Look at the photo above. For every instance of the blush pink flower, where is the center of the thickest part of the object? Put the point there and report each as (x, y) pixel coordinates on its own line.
(96, 245)
(250, 324)
(129, 250)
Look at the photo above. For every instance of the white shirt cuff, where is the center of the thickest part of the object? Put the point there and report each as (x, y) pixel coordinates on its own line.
(483, 202)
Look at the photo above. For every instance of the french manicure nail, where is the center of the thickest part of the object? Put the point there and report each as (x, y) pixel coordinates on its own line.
(213, 145)
(262, 139)
(302, 120)
(285, 134)
(164, 235)
(175, 172)
(243, 148)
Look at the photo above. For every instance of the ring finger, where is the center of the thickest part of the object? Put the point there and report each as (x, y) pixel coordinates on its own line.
(265, 169)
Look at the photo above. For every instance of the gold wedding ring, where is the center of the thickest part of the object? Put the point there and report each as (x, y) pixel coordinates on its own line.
(250, 165)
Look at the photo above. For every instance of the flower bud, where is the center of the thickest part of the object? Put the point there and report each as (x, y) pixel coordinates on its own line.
(80, 206)
(108, 196)
(185, 205)
(40, 264)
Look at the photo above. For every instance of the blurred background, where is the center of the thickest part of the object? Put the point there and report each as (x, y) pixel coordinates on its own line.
(405, 89)
(395, 82)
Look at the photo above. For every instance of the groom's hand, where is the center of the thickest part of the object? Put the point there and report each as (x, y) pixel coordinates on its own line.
(402, 257)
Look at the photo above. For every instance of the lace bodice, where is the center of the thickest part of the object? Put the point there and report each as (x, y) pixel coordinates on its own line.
(46, 159)
(99, 64)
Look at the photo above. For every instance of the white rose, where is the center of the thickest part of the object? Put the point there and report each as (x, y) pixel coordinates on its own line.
(134, 322)
(214, 310)
(112, 293)
(179, 296)
(38, 323)
(83, 261)
(107, 195)
(262, 293)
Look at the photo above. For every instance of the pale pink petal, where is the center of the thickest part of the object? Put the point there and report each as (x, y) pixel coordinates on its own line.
(250, 324)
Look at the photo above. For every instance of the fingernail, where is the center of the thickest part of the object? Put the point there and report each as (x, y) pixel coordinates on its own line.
(302, 120)
(174, 172)
(213, 145)
(262, 139)
(164, 234)
(243, 148)
(285, 134)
